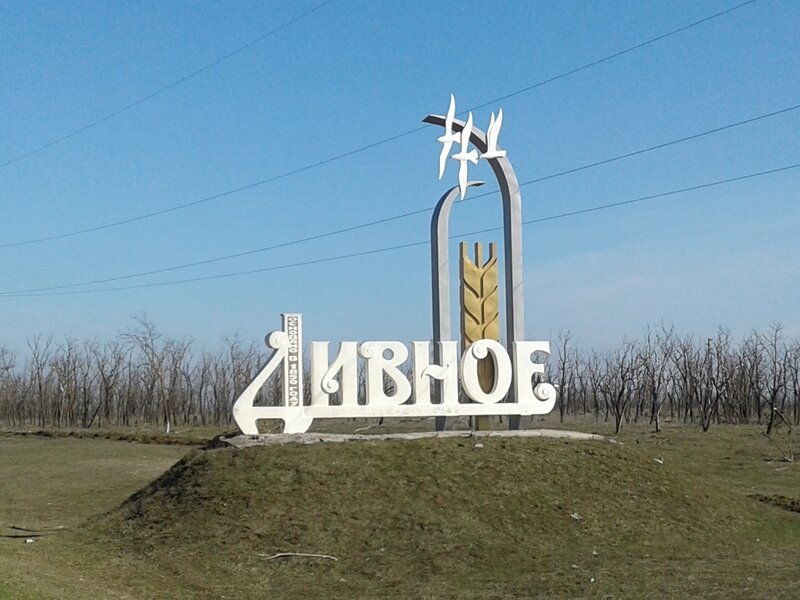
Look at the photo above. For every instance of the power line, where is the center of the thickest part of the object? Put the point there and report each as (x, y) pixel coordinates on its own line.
(217, 259)
(402, 215)
(328, 259)
(651, 148)
(201, 200)
(165, 88)
(693, 188)
(360, 149)
(615, 55)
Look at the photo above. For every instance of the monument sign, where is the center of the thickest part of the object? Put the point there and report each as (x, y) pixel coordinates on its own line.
(511, 385)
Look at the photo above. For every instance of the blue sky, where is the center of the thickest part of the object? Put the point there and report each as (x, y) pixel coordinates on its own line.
(353, 73)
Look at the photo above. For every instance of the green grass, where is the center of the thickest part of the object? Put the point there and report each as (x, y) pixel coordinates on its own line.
(7, 590)
(423, 519)
(737, 457)
(188, 436)
(46, 483)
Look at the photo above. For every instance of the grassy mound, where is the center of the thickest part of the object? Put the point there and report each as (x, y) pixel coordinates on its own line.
(447, 518)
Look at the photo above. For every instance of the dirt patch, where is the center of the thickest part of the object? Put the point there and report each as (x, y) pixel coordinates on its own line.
(784, 502)
(118, 436)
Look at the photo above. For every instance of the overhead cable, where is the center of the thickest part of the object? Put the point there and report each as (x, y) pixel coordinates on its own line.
(340, 257)
(397, 217)
(164, 88)
(336, 157)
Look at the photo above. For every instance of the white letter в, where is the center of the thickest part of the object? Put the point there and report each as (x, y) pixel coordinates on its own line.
(378, 365)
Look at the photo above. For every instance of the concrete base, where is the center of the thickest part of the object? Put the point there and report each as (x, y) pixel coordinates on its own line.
(244, 441)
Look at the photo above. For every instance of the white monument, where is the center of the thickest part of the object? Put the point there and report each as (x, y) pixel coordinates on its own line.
(432, 388)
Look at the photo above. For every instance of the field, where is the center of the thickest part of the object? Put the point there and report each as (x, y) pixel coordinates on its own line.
(674, 515)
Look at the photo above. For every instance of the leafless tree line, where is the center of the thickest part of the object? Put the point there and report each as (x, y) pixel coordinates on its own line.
(143, 377)
(684, 379)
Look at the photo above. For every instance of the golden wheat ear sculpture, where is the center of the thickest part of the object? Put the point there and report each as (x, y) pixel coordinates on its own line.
(480, 307)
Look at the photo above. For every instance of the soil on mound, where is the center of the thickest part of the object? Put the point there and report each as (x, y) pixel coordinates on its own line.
(429, 518)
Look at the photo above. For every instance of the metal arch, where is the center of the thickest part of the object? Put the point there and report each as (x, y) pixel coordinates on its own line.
(440, 280)
(440, 268)
(512, 233)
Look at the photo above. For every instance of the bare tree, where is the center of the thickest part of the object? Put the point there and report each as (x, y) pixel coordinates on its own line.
(565, 371)
(161, 362)
(655, 358)
(109, 364)
(8, 407)
(773, 391)
(793, 370)
(616, 384)
(40, 357)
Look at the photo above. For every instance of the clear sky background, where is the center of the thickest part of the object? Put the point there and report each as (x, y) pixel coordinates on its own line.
(352, 73)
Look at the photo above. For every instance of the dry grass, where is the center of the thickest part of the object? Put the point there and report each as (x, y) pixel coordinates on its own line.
(425, 519)
(47, 483)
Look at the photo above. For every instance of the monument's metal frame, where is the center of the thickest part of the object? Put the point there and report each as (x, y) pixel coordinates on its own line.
(512, 248)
